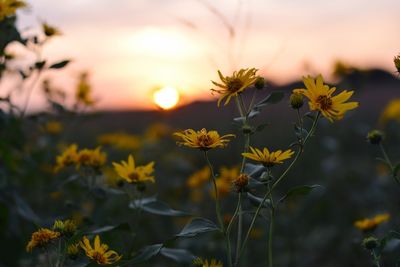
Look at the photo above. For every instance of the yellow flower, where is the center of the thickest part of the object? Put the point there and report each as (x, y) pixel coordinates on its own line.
(83, 91)
(202, 139)
(67, 158)
(199, 178)
(50, 30)
(132, 174)
(391, 111)
(41, 238)
(120, 140)
(225, 180)
(371, 223)
(73, 250)
(205, 263)
(53, 127)
(67, 227)
(8, 7)
(321, 99)
(91, 158)
(235, 84)
(268, 158)
(99, 253)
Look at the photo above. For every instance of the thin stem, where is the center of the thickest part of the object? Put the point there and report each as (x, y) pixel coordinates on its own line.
(240, 227)
(276, 183)
(376, 259)
(29, 94)
(271, 229)
(387, 159)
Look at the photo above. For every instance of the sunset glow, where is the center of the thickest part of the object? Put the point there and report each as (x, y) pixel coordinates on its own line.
(166, 97)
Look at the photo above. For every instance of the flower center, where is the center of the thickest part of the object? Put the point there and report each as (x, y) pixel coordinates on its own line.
(99, 257)
(204, 140)
(234, 85)
(325, 102)
(134, 176)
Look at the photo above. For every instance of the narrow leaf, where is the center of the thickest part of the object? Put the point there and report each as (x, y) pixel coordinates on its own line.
(299, 191)
(197, 226)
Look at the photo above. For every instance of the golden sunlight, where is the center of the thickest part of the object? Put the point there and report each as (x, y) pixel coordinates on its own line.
(166, 97)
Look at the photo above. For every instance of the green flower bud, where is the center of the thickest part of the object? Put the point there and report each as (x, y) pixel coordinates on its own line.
(396, 61)
(375, 137)
(260, 83)
(296, 100)
(370, 243)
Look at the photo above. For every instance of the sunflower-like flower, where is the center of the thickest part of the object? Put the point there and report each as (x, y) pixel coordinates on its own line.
(321, 98)
(225, 180)
(91, 158)
(268, 158)
(9, 7)
(67, 157)
(369, 224)
(235, 84)
(99, 253)
(203, 139)
(199, 262)
(134, 174)
(41, 238)
(67, 227)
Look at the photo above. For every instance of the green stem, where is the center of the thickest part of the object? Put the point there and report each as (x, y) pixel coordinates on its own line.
(240, 227)
(276, 183)
(271, 232)
(387, 159)
(376, 259)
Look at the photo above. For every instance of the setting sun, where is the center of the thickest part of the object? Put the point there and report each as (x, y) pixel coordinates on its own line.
(166, 97)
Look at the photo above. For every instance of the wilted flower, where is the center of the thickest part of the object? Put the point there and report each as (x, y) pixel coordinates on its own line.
(132, 174)
(369, 224)
(202, 139)
(41, 238)
(99, 253)
(235, 84)
(321, 99)
(268, 158)
(9, 7)
(241, 182)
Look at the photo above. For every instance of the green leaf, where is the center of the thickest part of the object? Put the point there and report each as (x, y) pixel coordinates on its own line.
(178, 255)
(197, 226)
(146, 253)
(301, 190)
(154, 206)
(60, 65)
(253, 170)
(256, 201)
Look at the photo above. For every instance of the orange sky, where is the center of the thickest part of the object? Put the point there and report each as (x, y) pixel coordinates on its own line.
(131, 47)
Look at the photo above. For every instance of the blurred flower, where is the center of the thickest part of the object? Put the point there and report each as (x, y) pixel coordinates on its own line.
(199, 178)
(157, 131)
(132, 174)
(99, 253)
(67, 158)
(296, 100)
(396, 61)
(225, 180)
(391, 111)
(8, 7)
(49, 30)
(53, 127)
(41, 238)
(120, 140)
(321, 99)
(83, 91)
(91, 158)
(235, 84)
(241, 181)
(369, 224)
(199, 262)
(202, 139)
(375, 137)
(67, 227)
(73, 251)
(268, 158)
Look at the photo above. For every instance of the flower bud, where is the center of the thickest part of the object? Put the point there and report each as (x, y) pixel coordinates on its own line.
(296, 100)
(370, 243)
(241, 182)
(73, 251)
(375, 137)
(260, 83)
(396, 61)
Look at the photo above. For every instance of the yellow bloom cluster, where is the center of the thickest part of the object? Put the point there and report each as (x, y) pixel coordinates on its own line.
(322, 99)
(268, 158)
(391, 111)
(134, 174)
(41, 238)
(369, 224)
(198, 262)
(120, 140)
(9, 7)
(86, 157)
(99, 252)
(203, 139)
(235, 84)
(67, 227)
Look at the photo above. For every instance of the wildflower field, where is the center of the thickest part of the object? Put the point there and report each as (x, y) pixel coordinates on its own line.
(302, 174)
